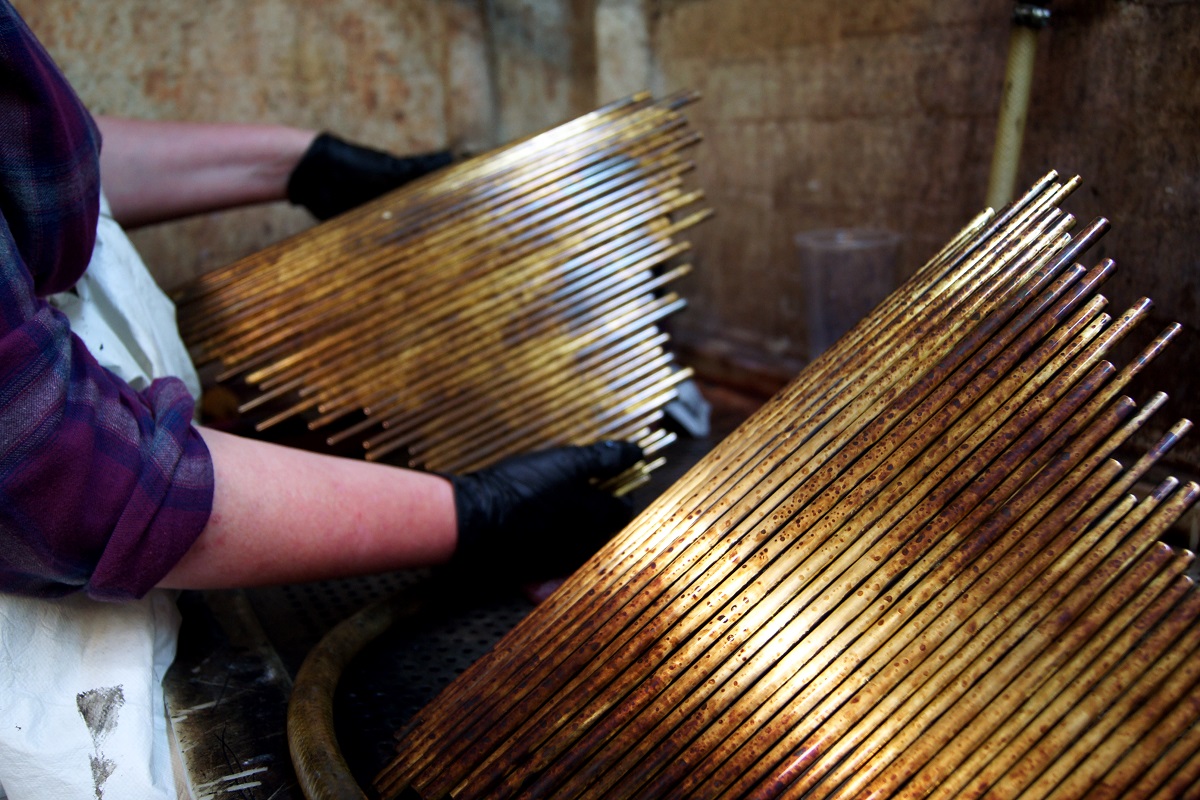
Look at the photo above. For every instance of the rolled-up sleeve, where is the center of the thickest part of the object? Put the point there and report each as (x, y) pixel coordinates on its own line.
(102, 488)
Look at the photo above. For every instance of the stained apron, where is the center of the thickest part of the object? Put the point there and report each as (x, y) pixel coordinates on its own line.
(82, 713)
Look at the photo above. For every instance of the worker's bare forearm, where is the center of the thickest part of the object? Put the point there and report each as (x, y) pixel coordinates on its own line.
(284, 515)
(157, 170)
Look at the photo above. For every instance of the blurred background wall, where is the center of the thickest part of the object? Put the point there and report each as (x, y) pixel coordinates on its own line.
(880, 113)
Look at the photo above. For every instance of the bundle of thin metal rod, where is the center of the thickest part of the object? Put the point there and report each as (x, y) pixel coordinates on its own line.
(509, 302)
(918, 571)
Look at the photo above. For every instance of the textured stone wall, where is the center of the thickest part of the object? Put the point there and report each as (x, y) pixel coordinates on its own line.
(1117, 101)
(405, 76)
(883, 114)
(818, 115)
(544, 62)
(879, 113)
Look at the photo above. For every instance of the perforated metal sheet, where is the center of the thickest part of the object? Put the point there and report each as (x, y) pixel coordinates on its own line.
(389, 681)
(400, 673)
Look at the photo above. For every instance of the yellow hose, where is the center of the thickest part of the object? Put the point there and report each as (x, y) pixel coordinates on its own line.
(1014, 105)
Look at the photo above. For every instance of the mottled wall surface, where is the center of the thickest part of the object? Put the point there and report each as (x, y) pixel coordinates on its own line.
(818, 115)
(1117, 101)
(883, 114)
(543, 56)
(624, 58)
(405, 76)
(880, 113)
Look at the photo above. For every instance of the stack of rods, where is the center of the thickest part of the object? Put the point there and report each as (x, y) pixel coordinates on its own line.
(918, 571)
(506, 303)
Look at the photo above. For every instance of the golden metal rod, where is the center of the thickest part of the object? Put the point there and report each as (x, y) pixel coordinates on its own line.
(474, 368)
(972, 757)
(486, 170)
(976, 223)
(336, 352)
(543, 750)
(538, 398)
(414, 385)
(1127, 372)
(1150, 658)
(848, 753)
(1151, 727)
(922, 310)
(626, 485)
(1176, 770)
(850, 672)
(897, 589)
(466, 256)
(482, 344)
(510, 388)
(1046, 708)
(456, 406)
(1023, 670)
(1122, 486)
(429, 294)
(684, 687)
(575, 431)
(808, 685)
(551, 408)
(574, 260)
(731, 741)
(623, 251)
(377, 402)
(1143, 706)
(355, 267)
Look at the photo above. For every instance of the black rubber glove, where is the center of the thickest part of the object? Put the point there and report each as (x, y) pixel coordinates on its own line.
(539, 515)
(334, 175)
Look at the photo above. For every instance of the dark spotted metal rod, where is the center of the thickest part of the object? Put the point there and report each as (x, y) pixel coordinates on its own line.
(525, 269)
(883, 584)
(900, 310)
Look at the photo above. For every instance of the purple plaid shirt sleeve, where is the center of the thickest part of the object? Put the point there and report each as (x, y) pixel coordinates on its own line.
(101, 488)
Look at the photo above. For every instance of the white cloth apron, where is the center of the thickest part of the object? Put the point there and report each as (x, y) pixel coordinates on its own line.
(82, 712)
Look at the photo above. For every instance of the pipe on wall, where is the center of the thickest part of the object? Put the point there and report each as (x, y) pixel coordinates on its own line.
(1028, 19)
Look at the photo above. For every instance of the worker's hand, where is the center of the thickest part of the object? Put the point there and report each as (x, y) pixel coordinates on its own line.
(334, 175)
(540, 514)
